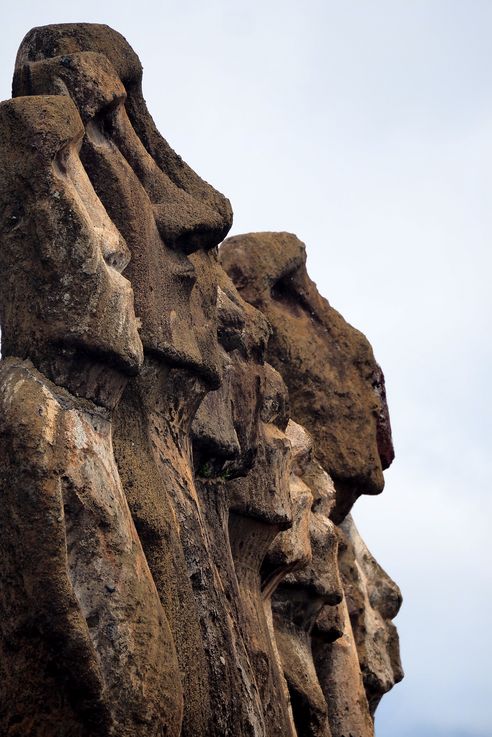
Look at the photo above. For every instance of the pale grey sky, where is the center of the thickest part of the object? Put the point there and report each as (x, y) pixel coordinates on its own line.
(365, 128)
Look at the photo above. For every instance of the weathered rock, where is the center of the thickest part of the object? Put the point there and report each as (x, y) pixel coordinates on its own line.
(338, 670)
(355, 644)
(307, 554)
(373, 600)
(166, 213)
(85, 645)
(336, 387)
(242, 474)
(177, 308)
(158, 273)
(188, 585)
(337, 391)
(63, 300)
(189, 191)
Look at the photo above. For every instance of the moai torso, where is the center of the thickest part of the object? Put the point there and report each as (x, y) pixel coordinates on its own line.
(86, 647)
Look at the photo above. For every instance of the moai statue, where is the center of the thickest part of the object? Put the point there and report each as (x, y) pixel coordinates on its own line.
(242, 459)
(85, 646)
(373, 601)
(307, 556)
(336, 388)
(337, 393)
(171, 221)
(355, 645)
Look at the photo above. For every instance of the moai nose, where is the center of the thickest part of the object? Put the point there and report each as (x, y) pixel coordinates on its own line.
(188, 225)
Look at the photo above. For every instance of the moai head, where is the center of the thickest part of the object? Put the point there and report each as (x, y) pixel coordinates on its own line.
(373, 600)
(170, 218)
(63, 300)
(305, 557)
(301, 573)
(336, 388)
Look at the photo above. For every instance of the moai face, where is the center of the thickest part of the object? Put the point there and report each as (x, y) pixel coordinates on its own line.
(239, 429)
(300, 572)
(291, 550)
(335, 386)
(264, 493)
(373, 600)
(63, 295)
(305, 557)
(170, 218)
(226, 426)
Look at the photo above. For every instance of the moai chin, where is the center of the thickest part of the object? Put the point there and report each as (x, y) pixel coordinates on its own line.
(85, 644)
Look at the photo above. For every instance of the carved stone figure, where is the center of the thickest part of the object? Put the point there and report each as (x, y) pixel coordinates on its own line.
(168, 549)
(243, 473)
(171, 222)
(85, 645)
(373, 600)
(336, 391)
(355, 644)
(336, 387)
(308, 555)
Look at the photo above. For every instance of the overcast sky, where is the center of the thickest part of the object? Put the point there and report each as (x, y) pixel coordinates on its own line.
(366, 129)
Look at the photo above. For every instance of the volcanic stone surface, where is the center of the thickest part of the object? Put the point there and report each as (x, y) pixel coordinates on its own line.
(182, 436)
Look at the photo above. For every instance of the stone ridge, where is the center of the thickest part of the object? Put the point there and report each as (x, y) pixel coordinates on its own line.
(183, 433)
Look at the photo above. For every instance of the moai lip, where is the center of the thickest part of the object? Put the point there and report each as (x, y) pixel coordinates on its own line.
(336, 387)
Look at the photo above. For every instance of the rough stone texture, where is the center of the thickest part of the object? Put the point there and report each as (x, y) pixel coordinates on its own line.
(191, 204)
(168, 549)
(373, 600)
(338, 670)
(84, 640)
(170, 220)
(61, 257)
(355, 644)
(242, 473)
(336, 387)
(307, 555)
(176, 305)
